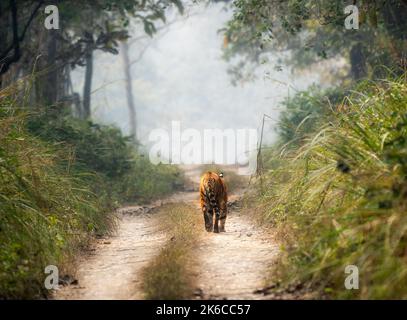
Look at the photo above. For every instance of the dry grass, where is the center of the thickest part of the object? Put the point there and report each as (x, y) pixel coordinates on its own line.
(170, 274)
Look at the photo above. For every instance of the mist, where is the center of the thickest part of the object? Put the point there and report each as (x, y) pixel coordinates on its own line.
(182, 76)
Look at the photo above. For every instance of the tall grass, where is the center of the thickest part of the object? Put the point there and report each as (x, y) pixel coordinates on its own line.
(341, 198)
(46, 212)
(60, 179)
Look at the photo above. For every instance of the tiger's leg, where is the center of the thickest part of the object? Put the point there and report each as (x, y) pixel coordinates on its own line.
(208, 217)
(223, 214)
(217, 215)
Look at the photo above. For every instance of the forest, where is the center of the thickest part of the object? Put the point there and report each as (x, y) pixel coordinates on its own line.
(83, 84)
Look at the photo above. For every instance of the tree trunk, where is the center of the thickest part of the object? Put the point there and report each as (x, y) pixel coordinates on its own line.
(88, 85)
(6, 59)
(51, 79)
(129, 91)
(395, 22)
(358, 62)
(395, 18)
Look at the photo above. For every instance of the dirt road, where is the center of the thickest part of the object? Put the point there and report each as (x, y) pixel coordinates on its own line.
(111, 268)
(232, 264)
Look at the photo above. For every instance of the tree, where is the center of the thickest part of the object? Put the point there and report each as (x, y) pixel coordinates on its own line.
(145, 41)
(314, 30)
(85, 26)
(129, 90)
(6, 58)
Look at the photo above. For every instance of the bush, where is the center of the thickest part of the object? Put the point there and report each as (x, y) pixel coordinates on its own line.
(147, 182)
(103, 150)
(98, 148)
(303, 114)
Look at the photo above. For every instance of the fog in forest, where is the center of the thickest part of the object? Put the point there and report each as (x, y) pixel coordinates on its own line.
(182, 76)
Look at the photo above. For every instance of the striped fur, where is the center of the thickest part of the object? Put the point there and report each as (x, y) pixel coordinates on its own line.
(213, 200)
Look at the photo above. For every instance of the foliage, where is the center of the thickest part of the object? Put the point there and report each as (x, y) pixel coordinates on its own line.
(147, 182)
(98, 148)
(314, 30)
(46, 211)
(340, 198)
(301, 115)
(103, 150)
(85, 25)
(60, 180)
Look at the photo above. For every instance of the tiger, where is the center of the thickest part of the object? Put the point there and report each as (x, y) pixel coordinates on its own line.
(214, 198)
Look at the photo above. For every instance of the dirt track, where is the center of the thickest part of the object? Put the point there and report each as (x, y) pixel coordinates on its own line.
(232, 264)
(111, 269)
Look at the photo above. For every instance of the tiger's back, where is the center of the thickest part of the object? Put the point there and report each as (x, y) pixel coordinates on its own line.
(213, 194)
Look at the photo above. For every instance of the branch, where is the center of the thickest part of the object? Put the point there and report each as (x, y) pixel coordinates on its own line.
(140, 55)
(16, 44)
(165, 27)
(33, 14)
(16, 38)
(145, 48)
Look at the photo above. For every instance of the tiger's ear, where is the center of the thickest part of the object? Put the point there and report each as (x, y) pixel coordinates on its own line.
(221, 174)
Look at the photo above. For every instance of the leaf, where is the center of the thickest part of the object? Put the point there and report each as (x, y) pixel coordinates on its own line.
(149, 28)
(179, 5)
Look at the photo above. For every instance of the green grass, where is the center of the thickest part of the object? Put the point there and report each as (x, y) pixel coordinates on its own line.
(340, 198)
(46, 212)
(169, 275)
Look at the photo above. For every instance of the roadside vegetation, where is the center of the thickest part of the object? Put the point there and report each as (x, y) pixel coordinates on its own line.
(60, 180)
(334, 184)
(170, 275)
(61, 174)
(335, 188)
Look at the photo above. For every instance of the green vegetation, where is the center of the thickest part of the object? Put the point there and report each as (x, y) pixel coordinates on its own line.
(300, 33)
(305, 112)
(46, 210)
(339, 197)
(60, 179)
(62, 175)
(104, 151)
(169, 275)
(335, 183)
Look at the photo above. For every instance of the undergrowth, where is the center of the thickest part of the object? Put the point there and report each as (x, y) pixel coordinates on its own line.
(340, 198)
(60, 180)
(47, 211)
